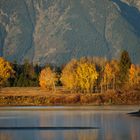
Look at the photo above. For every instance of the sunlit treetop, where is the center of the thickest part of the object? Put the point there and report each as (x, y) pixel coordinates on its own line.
(6, 71)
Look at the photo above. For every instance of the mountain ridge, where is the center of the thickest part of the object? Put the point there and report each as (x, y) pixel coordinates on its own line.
(55, 31)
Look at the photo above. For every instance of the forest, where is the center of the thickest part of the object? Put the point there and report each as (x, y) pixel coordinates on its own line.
(85, 75)
(86, 79)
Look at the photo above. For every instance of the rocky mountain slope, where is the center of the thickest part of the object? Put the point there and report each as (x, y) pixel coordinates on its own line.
(54, 31)
(135, 3)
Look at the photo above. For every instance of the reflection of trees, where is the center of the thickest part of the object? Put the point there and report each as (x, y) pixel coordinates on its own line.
(134, 131)
(88, 135)
(69, 119)
(5, 136)
(118, 127)
(112, 125)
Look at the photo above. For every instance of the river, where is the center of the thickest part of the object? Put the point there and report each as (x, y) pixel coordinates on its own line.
(69, 123)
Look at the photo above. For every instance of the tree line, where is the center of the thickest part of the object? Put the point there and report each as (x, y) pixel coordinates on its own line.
(90, 75)
(18, 75)
(84, 75)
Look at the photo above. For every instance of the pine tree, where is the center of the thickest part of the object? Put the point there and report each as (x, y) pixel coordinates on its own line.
(124, 65)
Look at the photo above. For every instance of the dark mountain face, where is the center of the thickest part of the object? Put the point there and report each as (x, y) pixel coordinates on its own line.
(54, 31)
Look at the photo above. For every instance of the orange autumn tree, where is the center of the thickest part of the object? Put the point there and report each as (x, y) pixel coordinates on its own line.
(47, 79)
(6, 71)
(133, 75)
(138, 68)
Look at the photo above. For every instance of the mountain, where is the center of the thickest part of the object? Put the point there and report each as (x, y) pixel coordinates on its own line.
(54, 31)
(135, 3)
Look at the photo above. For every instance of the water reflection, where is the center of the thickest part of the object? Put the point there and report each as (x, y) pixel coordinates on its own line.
(5, 136)
(113, 125)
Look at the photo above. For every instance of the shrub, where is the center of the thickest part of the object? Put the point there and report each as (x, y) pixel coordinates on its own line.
(47, 78)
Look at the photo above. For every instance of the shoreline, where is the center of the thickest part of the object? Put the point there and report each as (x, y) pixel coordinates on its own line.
(130, 110)
(77, 107)
(74, 106)
(35, 96)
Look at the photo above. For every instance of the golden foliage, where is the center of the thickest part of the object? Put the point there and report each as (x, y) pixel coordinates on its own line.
(6, 71)
(115, 66)
(79, 75)
(133, 75)
(68, 77)
(108, 74)
(47, 78)
(86, 76)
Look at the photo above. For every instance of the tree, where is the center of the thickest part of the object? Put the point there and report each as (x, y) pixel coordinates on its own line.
(25, 75)
(86, 76)
(79, 75)
(29, 74)
(115, 71)
(107, 75)
(47, 78)
(6, 71)
(124, 65)
(133, 75)
(69, 74)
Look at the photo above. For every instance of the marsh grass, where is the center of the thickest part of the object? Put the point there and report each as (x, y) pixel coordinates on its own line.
(37, 96)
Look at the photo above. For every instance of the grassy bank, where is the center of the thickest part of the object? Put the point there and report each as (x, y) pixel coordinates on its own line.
(37, 96)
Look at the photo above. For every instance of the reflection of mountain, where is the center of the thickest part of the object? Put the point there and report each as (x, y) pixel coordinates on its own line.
(55, 31)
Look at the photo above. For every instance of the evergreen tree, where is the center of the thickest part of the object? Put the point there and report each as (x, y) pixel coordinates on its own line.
(124, 65)
(26, 75)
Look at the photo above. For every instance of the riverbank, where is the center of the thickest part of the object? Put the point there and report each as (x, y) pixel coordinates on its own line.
(39, 97)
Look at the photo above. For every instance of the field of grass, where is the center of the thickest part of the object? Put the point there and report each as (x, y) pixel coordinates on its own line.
(38, 96)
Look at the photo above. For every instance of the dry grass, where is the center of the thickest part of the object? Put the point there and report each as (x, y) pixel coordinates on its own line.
(38, 96)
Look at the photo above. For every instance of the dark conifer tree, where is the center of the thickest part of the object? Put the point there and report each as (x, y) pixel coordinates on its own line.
(124, 65)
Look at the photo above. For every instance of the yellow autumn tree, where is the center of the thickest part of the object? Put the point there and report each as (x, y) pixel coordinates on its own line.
(107, 76)
(133, 75)
(6, 71)
(69, 74)
(79, 75)
(115, 71)
(47, 79)
(86, 76)
(110, 75)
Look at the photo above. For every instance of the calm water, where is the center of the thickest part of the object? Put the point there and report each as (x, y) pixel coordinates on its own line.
(47, 123)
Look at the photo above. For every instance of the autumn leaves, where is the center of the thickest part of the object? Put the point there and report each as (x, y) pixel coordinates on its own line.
(47, 78)
(86, 76)
(134, 75)
(80, 76)
(6, 71)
